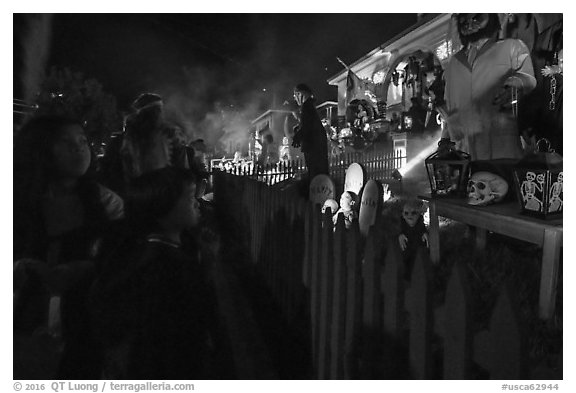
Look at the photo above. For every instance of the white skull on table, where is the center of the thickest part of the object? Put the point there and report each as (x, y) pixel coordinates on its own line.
(485, 188)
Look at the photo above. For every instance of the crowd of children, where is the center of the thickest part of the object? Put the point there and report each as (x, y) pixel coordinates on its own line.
(113, 267)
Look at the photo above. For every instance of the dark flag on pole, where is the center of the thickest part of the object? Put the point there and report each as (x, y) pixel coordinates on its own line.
(355, 87)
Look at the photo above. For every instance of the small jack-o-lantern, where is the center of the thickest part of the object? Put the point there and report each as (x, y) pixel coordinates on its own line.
(485, 188)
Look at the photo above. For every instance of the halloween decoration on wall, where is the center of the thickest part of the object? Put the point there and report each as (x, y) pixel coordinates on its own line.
(359, 134)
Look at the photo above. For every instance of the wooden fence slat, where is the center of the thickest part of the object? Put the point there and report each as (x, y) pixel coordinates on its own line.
(371, 278)
(266, 236)
(315, 285)
(421, 325)
(308, 244)
(457, 330)
(353, 300)
(287, 251)
(501, 350)
(257, 219)
(300, 247)
(339, 302)
(274, 245)
(326, 281)
(393, 290)
(286, 262)
(251, 222)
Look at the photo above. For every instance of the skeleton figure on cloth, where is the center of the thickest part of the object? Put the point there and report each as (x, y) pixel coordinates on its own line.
(413, 233)
(482, 81)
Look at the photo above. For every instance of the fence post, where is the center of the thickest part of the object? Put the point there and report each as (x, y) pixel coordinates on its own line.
(457, 331)
(421, 326)
(339, 301)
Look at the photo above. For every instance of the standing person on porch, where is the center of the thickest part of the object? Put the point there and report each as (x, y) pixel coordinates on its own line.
(480, 81)
(309, 134)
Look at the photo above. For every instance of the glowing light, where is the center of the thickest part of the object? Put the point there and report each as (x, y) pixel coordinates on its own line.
(444, 50)
(419, 158)
(378, 77)
(345, 133)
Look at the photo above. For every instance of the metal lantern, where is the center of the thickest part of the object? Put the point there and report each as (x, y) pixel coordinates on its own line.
(448, 170)
(538, 181)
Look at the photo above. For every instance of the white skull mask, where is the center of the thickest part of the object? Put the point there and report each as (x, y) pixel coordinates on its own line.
(485, 188)
(332, 204)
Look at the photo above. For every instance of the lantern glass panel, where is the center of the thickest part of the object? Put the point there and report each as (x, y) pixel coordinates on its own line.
(538, 178)
(448, 175)
(540, 191)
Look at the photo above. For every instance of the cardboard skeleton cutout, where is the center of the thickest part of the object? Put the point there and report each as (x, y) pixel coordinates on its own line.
(485, 188)
(556, 194)
(528, 190)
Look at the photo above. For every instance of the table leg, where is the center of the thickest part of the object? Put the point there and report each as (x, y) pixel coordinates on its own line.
(434, 234)
(549, 275)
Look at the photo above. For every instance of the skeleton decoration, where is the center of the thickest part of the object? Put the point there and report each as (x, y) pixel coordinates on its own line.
(529, 190)
(556, 195)
(485, 188)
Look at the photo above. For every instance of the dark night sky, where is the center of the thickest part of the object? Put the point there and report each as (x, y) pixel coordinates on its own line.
(229, 58)
(215, 71)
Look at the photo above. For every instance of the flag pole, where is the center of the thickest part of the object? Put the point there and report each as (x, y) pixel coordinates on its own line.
(341, 62)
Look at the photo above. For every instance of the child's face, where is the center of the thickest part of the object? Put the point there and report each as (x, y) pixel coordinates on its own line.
(410, 215)
(71, 152)
(346, 201)
(186, 212)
